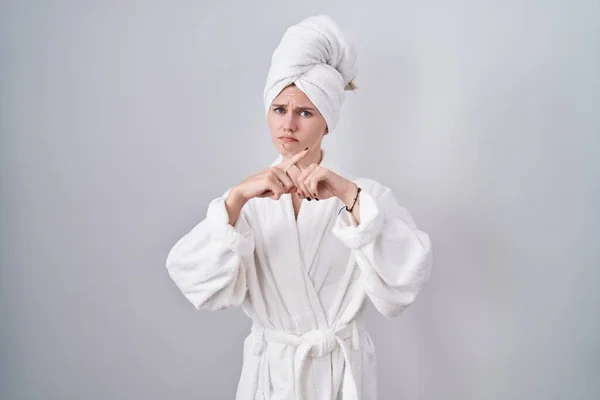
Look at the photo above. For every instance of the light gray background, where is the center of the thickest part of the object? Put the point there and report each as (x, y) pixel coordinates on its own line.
(121, 120)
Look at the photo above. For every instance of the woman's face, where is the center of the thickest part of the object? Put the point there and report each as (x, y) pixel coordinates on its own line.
(294, 122)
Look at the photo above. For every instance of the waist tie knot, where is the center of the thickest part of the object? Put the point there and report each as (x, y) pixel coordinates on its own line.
(319, 342)
(314, 343)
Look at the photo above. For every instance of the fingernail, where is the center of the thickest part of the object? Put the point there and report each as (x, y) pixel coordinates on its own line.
(308, 198)
(316, 198)
(315, 194)
(306, 148)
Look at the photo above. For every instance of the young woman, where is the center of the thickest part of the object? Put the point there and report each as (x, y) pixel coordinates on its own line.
(300, 246)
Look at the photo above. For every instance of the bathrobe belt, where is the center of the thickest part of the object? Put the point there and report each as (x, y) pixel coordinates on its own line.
(315, 343)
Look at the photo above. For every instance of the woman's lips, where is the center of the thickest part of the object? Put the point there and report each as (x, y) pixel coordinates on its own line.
(288, 139)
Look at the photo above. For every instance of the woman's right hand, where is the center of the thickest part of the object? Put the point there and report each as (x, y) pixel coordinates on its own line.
(272, 182)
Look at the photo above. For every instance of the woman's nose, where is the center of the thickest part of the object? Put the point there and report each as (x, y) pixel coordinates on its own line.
(289, 123)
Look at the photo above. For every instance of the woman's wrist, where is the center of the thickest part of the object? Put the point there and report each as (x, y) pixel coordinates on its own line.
(236, 196)
(349, 194)
(236, 193)
(234, 204)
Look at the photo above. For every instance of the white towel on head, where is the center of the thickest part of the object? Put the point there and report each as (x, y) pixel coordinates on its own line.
(315, 55)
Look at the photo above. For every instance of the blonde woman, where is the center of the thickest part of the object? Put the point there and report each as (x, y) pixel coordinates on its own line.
(301, 246)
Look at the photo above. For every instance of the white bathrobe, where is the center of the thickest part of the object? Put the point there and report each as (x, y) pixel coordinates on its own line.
(304, 284)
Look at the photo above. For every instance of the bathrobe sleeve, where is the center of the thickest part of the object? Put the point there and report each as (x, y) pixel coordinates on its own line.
(394, 256)
(209, 263)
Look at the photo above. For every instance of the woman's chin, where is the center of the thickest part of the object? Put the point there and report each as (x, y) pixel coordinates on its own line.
(289, 148)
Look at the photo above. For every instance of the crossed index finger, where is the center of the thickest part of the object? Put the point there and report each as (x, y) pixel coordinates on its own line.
(287, 164)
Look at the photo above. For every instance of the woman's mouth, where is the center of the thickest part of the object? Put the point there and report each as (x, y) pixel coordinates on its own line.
(288, 139)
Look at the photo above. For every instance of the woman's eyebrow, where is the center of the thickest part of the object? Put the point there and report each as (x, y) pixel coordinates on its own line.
(297, 108)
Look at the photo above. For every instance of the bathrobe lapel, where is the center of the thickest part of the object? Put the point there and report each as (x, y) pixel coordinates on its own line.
(307, 233)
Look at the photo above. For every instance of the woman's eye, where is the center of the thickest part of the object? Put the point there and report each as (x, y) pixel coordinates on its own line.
(308, 113)
(278, 108)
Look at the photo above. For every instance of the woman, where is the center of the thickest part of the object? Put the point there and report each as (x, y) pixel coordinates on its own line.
(280, 244)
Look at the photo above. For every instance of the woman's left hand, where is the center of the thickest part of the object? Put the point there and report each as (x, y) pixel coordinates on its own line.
(320, 183)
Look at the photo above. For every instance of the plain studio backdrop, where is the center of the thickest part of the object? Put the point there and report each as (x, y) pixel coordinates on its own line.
(121, 120)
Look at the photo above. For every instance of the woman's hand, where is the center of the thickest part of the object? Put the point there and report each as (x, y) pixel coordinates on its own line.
(272, 182)
(318, 182)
